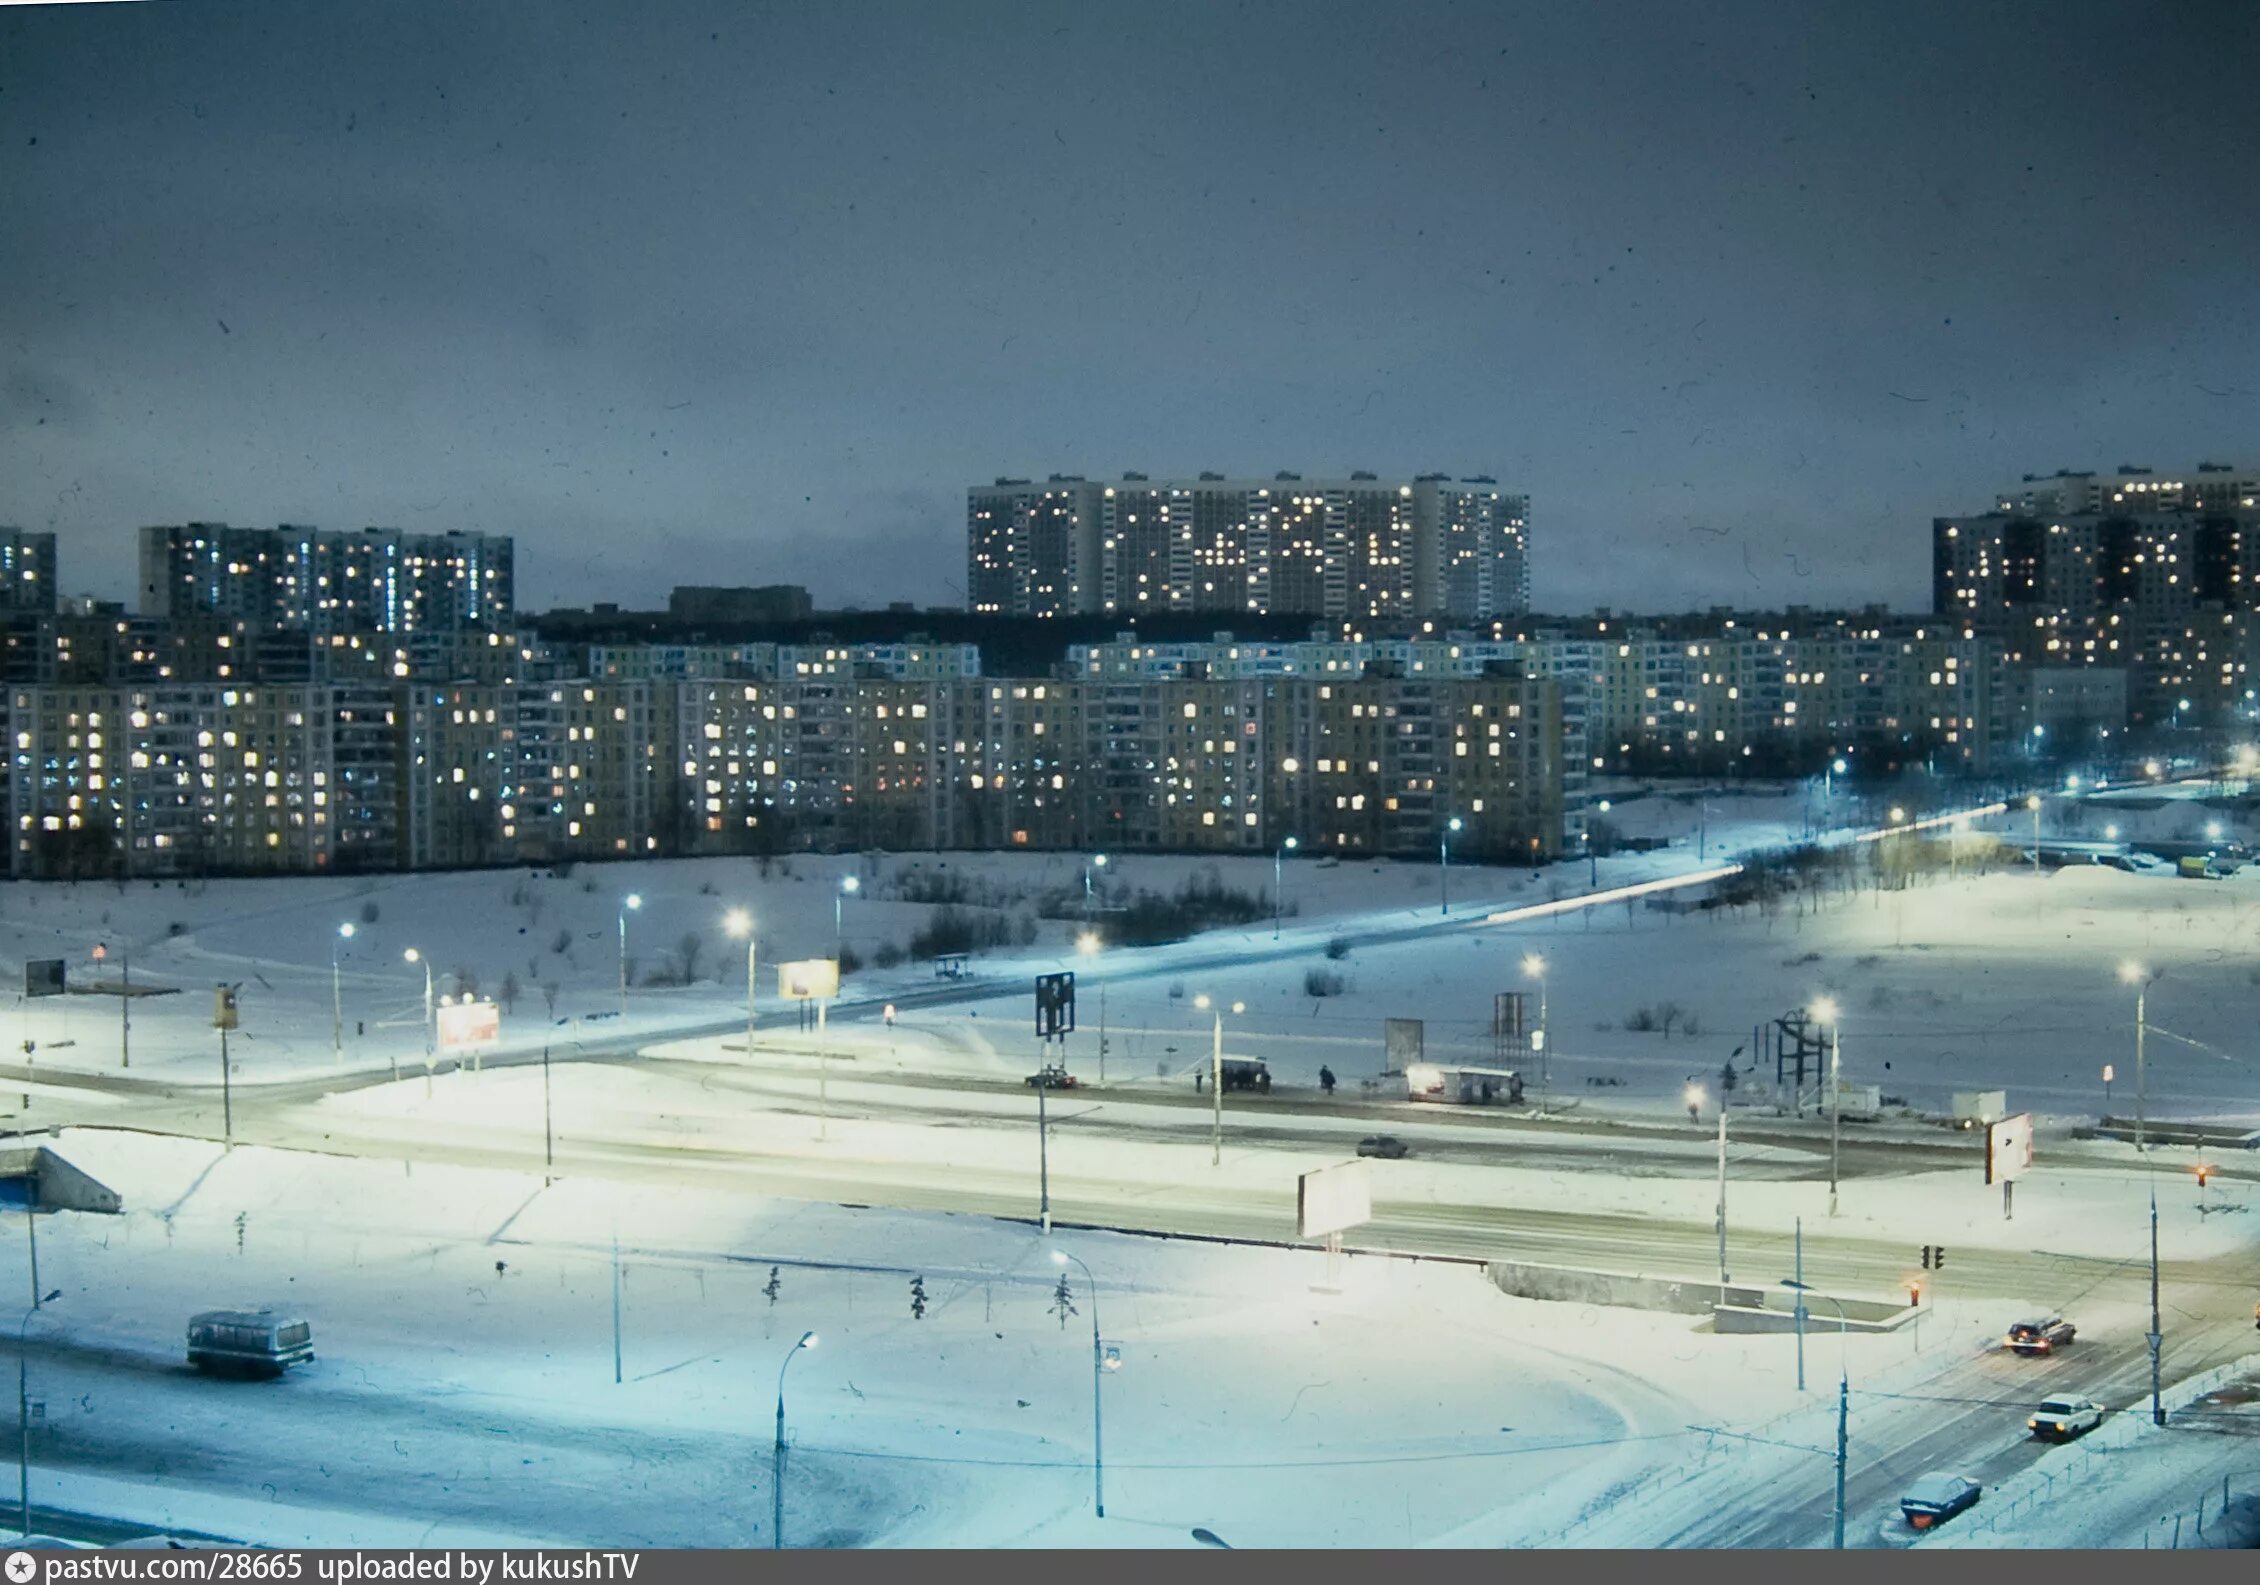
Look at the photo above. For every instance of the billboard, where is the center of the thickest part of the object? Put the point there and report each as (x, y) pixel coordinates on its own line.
(43, 977)
(1055, 1005)
(465, 1025)
(2008, 1148)
(1333, 1199)
(810, 980)
(1403, 1036)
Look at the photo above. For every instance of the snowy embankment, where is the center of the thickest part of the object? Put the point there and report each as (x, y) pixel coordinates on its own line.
(2194, 1482)
(464, 1381)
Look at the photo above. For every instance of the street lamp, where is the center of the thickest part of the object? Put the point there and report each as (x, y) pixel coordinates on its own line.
(430, 1027)
(627, 904)
(1444, 863)
(23, 1406)
(1843, 1391)
(2136, 975)
(1825, 1009)
(2033, 803)
(738, 922)
(849, 886)
(1279, 880)
(1098, 861)
(777, 1460)
(1535, 966)
(1061, 1257)
(337, 993)
(1216, 1077)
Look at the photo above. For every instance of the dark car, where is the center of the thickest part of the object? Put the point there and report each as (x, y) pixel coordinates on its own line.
(1938, 1497)
(1387, 1146)
(2041, 1335)
(1053, 1078)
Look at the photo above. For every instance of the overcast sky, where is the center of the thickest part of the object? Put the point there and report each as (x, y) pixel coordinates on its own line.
(717, 292)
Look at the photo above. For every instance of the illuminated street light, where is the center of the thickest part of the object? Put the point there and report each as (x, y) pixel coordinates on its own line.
(1061, 1257)
(1825, 1009)
(777, 1459)
(1216, 1076)
(2134, 974)
(1444, 862)
(337, 993)
(739, 923)
(1088, 943)
(848, 888)
(627, 904)
(430, 1028)
(1279, 881)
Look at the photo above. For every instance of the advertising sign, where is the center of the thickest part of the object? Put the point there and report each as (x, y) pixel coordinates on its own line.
(465, 1025)
(810, 980)
(43, 977)
(1333, 1199)
(1055, 1005)
(1404, 1037)
(2008, 1148)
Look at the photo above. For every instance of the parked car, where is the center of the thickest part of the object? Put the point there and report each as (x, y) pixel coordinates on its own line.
(1387, 1146)
(2041, 1335)
(1938, 1497)
(2064, 1418)
(1051, 1078)
(248, 1342)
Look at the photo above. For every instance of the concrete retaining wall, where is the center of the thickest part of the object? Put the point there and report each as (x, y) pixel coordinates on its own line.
(1860, 1315)
(58, 1186)
(1575, 1285)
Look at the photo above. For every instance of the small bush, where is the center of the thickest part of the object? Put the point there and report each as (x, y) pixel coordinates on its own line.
(1641, 1020)
(369, 912)
(561, 942)
(889, 955)
(1321, 982)
(1338, 948)
(850, 959)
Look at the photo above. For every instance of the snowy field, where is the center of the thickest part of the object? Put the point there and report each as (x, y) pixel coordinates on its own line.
(547, 944)
(1416, 1405)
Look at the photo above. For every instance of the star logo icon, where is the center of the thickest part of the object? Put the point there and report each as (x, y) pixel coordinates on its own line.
(21, 1567)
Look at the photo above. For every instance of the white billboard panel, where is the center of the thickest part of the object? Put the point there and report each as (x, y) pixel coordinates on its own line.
(2008, 1148)
(1333, 1199)
(465, 1025)
(811, 980)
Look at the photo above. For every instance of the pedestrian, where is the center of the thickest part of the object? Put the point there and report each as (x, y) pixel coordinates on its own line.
(1326, 1080)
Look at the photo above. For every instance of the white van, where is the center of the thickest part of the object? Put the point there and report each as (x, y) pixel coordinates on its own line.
(249, 1342)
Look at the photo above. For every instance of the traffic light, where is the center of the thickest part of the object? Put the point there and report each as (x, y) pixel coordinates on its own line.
(1934, 1257)
(2203, 1173)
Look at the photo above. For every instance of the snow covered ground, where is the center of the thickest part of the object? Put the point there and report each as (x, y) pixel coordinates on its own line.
(464, 1385)
(548, 944)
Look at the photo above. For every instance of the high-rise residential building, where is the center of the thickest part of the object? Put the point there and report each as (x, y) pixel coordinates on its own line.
(27, 572)
(1032, 549)
(329, 580)
(1360, 549)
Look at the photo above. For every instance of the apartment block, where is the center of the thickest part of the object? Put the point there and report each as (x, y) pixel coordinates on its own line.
(328, 580)
(27, 572)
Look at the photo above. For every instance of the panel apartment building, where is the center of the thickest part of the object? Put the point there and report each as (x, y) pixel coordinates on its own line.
(1361, 549)
(2158, 575)
(381, 580)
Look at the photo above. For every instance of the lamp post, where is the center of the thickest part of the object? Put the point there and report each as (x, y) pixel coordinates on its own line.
(431, 1036)
(337, 993)
(1825, 1010)
(777, 1461)
(1695, 1099)
(23, 1408)
(1279, 881)
(628, 904)
(1216, 1077)
(1843, 1395)
(1535, 966)
(1444, 863)
(2033, 803)
(1090, 895)
(2137, 976)
(738, 922)
(849, 886)
(1061, 1257)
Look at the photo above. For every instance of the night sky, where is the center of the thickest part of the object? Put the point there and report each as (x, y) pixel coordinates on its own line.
(704, 292)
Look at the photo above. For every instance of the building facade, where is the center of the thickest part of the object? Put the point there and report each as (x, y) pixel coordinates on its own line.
(329, 580)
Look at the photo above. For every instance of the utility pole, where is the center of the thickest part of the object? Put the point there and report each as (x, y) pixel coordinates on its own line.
(615, 1307)
(1216, 1095)
(227, 1093)
(1835, 1106)
(1043, 1150)
(1800, 1304)
(2157, 1336)
(125, 999)
(548, 1134)
(1723, 1276)
(2141, 1093)
(1843, 1427)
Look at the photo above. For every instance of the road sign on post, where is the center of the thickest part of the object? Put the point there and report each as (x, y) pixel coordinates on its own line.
(223, 1007)
(1055, 1006)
